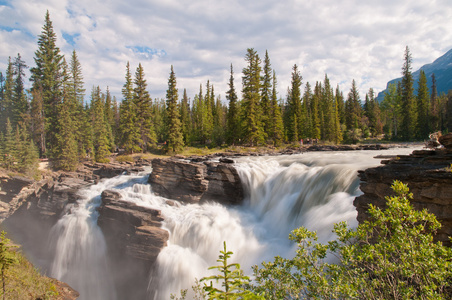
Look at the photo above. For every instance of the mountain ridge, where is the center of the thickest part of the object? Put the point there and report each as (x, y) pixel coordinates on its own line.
(441, 67)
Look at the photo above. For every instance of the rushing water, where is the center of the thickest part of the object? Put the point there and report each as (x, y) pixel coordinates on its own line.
(314, 190)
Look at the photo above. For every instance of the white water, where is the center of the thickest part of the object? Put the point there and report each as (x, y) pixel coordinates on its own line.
(314, 190)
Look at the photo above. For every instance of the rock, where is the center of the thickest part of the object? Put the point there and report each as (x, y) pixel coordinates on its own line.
(134, 239)
(446, 141)
(194, 182)
(226, 160)
(427, 174)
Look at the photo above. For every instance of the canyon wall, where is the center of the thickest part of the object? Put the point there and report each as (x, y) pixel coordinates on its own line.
(428, 174)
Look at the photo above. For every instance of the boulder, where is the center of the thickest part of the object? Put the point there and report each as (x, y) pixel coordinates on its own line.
(134, 239)
(428, 176)
(193, 182)
(446, 141)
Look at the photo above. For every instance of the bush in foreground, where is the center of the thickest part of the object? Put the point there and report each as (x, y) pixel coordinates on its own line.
(390, 256)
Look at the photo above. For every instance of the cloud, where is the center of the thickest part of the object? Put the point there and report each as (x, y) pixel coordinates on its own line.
(346, 39)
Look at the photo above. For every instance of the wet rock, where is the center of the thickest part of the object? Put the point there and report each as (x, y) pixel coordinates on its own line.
(134, 239)
(428, 175)
(193, 182)
(446, 141)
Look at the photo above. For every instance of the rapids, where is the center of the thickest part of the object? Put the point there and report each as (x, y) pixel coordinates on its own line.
(314, 190)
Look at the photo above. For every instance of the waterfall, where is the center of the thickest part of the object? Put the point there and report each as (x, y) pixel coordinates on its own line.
(314, 190)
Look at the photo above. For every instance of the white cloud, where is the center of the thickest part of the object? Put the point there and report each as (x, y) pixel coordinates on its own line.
(347, 39)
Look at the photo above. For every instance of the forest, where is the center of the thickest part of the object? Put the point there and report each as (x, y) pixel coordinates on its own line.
(54, 120)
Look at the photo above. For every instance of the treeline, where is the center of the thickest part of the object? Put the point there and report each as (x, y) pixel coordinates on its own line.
(53, 119)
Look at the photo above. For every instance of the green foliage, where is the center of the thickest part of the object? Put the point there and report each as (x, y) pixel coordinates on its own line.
(7, 259)
(232, 280)
(390, 256)
(21, 279)
(175, 137)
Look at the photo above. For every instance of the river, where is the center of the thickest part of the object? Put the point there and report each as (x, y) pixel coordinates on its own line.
(314, 189)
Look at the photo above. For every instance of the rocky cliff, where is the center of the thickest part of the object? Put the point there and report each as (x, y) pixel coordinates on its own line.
(196, 181)
(428, 174)
(134, 239)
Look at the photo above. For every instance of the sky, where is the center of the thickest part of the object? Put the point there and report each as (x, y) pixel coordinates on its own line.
(345, 39)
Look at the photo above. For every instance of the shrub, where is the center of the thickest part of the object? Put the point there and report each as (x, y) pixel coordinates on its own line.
(390, 256)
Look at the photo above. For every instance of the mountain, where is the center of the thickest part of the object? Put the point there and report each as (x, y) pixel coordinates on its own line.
(441, 67)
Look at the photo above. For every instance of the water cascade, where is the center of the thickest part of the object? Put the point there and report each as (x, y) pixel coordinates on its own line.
(314, 190)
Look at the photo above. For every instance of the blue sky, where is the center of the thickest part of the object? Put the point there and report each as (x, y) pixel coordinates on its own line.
(348, 39)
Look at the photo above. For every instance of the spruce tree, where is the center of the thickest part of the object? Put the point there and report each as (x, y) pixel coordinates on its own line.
(185, 116)
(19, 100)
(328, 111)
(175, 141)
(408, 126)
(10, 149)
(276, 126)
(295, 120)
(38, 121)
(46, 77)
(434, 106)
(7, 96)
(102, 144)
(307, 109)
(129, 131)
(253, 132)
(266, 92)
(143, 105)
(423, 113)
(315, 116)
(233, 121)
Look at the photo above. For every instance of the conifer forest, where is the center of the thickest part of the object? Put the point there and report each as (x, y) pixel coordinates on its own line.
(58, 119)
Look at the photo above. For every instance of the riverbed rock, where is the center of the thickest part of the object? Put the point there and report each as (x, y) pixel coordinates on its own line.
(134, 239)
(446, 141)
(193, 182)
(428, 175)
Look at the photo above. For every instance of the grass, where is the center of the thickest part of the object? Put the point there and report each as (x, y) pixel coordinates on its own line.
(22, 279)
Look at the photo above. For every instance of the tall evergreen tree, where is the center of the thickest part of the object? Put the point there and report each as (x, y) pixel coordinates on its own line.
(423, 108)
(19, 100)
(307, 109)
(185, 116)
(315, 116)
(47, 78)
(266, 94)
(129, 131)
(253, 132)
(408, 126)
(7, 96)
(434, 106)
(294, 118)
(101, 143)
(175, 138)
(276, 126)
(143, 106)
(233, 121)
(65, 150)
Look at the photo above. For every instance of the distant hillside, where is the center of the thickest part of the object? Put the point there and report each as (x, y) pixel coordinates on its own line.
(441, 67)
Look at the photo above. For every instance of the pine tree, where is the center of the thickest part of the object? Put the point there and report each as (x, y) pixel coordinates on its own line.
(434, 118)
(328, 112)
(46, 77)
(19, 100)
(185, 116)
(294, 118)
(7, 96)
(175, 137)
(102, 144)
(307, 109)
(143, 106)
(316, 133)
(38, 121)
(408, 126)
(423, 113)
(233, 121)
(76, 93)
(253, 132)
(64, 151)
(266, 91)
(276, 129)
(10, 150)
(129, 131)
